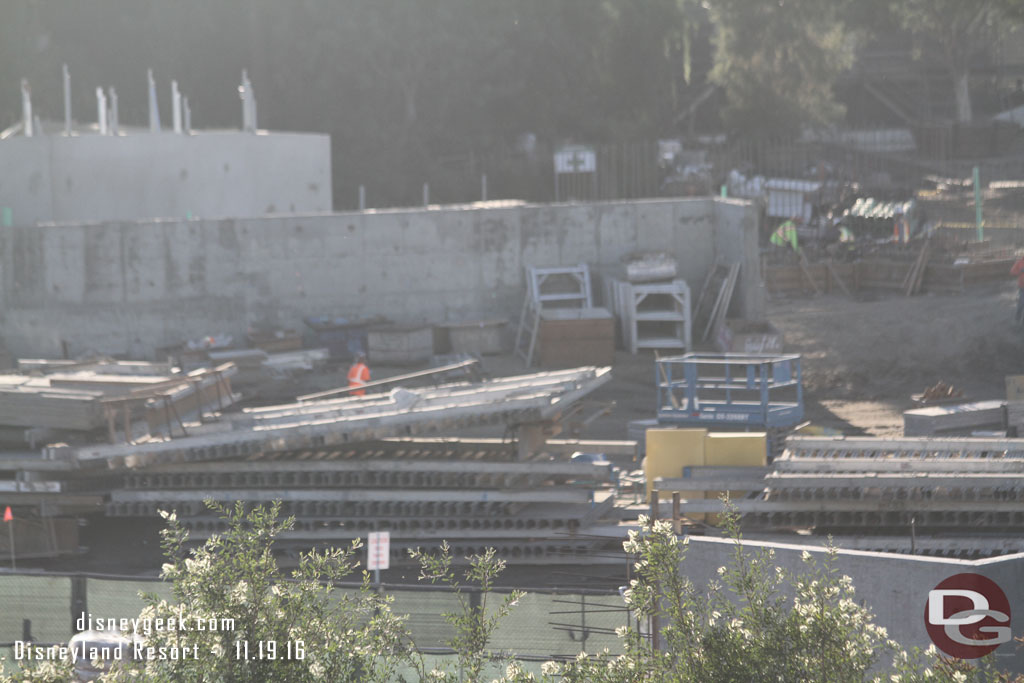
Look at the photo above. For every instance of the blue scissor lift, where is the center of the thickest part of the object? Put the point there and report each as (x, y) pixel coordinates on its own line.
(731, 390)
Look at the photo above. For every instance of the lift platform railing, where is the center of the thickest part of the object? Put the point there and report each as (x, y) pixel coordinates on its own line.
(705, 389)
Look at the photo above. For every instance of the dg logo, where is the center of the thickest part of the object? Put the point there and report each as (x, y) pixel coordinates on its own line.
(967, 616)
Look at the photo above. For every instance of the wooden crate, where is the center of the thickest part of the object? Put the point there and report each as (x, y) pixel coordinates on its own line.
(574, 337)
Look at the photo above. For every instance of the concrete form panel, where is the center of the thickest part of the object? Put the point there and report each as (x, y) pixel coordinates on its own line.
(25, 179)
(146, 175)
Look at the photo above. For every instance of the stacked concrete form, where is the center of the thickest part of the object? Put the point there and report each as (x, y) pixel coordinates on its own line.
(337, 466)
(470, 494)
(71, 399)
(956, 496)
(518, 399)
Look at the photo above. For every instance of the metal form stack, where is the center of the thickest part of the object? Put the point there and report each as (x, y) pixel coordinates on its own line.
(652, 306)
(337, 466)
(653, 315)
(472, 495)
(960, 497)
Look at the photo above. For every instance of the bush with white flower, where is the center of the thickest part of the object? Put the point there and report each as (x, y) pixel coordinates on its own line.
(288, 626)
(755, 622)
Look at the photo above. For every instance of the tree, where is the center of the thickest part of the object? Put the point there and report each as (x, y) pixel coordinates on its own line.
(777, 63)
(953, 28)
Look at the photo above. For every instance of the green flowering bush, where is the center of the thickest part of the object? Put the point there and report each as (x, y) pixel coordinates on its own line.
(473, 624)
(754, 622)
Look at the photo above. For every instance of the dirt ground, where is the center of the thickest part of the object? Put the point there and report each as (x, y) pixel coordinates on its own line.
(862, 359)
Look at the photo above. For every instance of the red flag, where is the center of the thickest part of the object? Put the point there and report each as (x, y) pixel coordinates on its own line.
(8, 517)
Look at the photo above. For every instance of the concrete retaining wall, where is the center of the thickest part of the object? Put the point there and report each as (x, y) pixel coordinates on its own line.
(146, 175)
(895, 587)
(127, 288)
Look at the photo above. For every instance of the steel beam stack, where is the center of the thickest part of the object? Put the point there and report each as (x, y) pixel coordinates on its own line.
(461, 493)
(346, 466)
(960, 497)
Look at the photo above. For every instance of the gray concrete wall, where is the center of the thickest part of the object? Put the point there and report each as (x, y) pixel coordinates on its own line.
(737, 241)
(210, 174)
(127, 288)
(894, 586)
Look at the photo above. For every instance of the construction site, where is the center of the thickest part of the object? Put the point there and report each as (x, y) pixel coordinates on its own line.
(543, 374)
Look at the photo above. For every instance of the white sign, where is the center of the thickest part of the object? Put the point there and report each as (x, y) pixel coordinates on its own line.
(575, 159)
(378, 550)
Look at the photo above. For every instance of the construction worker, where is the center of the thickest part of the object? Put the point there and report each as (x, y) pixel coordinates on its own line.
(1018, 271)
(359, 374)
(785, 234)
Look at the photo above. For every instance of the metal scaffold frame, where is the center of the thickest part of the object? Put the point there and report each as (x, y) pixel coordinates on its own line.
(541, 294)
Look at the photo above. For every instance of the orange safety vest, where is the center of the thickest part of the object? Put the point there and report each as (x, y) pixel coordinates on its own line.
(358, 375)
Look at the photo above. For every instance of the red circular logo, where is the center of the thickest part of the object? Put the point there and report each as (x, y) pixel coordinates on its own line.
(967, 616)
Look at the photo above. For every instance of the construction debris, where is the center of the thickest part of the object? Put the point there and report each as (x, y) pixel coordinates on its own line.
(938, 392)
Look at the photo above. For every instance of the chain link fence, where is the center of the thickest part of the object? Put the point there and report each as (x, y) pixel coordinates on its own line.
(544, 624)
(888, 163)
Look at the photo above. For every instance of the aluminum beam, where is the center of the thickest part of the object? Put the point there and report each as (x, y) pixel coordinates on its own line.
(517, 400)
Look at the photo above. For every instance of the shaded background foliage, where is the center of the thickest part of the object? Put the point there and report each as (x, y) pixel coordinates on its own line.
(409, 89)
